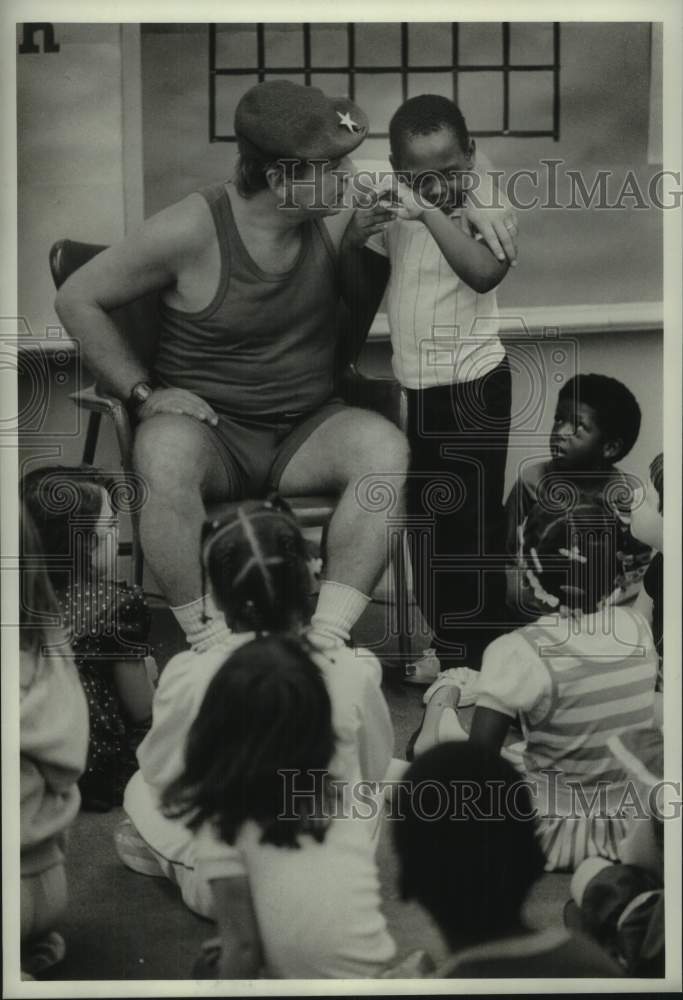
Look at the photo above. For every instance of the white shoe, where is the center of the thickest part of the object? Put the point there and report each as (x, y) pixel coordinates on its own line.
(425, 670)
(461, 677)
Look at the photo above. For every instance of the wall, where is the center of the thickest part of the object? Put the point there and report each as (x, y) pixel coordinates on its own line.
(567, 256)
(69, 144)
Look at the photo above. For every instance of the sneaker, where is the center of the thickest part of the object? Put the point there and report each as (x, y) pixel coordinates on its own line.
(134, 852)
(41, 955)
(423, 671)
(461, 677)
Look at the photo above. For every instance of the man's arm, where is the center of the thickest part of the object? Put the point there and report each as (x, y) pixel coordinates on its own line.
(146, 260)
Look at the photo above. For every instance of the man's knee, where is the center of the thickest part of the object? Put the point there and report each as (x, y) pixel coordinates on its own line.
(169, 454)
(381, 448)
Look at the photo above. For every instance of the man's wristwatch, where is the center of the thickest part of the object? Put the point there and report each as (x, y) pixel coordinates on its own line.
(138, 395)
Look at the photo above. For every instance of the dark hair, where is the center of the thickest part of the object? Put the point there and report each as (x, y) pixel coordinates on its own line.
(616, 408)
(423, 115)
(38, 611)
(252, 166)
(256, 559)
(573, 555)
(657, 477)
(266, 711)
(469, 855)
(57, 496)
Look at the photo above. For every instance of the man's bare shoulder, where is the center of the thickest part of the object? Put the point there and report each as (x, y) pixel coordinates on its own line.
(187, 224)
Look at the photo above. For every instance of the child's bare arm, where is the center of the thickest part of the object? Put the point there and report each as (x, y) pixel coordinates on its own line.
(241, 952)
(489, 728)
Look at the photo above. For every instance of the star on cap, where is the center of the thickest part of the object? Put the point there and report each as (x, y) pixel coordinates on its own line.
(348, 122)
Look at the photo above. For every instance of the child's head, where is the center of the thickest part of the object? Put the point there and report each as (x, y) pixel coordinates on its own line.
(597, 421)
(465, 840)
(429, 140)
(256, 561)
(37, 602)
(572, 558)
(71, 507)
(646, 518)
(266, 712)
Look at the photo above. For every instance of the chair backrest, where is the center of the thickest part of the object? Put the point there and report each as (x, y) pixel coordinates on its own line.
(138, 321)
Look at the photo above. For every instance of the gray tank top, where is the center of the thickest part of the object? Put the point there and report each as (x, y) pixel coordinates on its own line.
(265, 345)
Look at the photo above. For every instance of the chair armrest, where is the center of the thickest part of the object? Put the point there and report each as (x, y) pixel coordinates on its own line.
(381, 394)
(96, 401)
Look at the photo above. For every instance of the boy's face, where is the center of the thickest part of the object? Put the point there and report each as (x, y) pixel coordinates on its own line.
(437, 163)
(577, 440)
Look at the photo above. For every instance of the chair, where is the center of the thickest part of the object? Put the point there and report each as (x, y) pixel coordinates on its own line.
(139, 322)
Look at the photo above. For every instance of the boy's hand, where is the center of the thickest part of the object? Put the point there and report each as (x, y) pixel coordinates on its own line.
(365, 222)
(397, 196)
(497, 228)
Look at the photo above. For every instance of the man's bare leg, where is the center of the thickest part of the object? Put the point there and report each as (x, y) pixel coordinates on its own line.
(363, 458)
(180, 468)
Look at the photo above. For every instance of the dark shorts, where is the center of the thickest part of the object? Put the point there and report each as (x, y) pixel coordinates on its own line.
(255, 453)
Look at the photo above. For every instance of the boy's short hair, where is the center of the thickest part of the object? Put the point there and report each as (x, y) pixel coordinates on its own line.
(616, 408)
(466, 838)
(425, 114)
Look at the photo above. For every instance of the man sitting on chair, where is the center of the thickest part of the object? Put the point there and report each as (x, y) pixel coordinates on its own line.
(240, 400)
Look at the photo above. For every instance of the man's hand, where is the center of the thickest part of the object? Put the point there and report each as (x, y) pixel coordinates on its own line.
(497, 228)
(405, 204)
(178, 401)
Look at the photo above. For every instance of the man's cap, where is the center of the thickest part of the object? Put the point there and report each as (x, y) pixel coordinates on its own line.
(284, 119)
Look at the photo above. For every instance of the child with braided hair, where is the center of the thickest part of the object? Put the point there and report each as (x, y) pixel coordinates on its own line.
(256, 562)
(581, 673)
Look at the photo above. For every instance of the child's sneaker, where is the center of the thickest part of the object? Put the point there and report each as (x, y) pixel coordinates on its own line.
(461, 677)
(134, 852)
(41, 955)
(425, 670)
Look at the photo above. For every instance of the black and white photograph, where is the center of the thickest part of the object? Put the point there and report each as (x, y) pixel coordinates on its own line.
(340, 360)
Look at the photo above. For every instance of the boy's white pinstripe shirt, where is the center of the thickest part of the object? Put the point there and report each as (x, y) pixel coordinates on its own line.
(442, 331)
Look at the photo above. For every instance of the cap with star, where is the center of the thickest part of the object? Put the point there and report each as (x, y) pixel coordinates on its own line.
(284, 119)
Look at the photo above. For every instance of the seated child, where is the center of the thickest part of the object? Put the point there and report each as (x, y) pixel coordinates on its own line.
(53, 746)
(597, 421)
(107, 621)
(621, 905)
(293, 879)
(256, 561)
(574, 681)
(468, 854)
(647, 525)
(443, 317)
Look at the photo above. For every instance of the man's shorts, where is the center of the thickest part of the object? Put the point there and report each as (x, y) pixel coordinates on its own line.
(255, 453)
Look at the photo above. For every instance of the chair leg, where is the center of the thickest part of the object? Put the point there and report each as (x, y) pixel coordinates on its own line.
(401, 598)
(136, 553)
(91, 436)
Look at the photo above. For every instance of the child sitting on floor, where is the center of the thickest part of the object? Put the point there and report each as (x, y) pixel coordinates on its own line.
(468, 853)
(293, 878)
(107, 621)
(647, 525)
(596, 423)
(54, 741)
(256, 561)
(574, 681)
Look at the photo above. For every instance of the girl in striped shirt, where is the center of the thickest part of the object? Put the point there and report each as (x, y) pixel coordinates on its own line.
(582, 672)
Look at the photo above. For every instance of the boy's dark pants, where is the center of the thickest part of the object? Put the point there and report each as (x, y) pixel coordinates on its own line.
(459, 438)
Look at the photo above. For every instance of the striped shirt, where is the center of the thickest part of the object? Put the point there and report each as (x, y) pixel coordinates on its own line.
(442, 331)
(575, 688)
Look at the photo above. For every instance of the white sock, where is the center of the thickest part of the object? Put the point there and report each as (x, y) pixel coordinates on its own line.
(450, 728)
(200, 634)
(339, 608)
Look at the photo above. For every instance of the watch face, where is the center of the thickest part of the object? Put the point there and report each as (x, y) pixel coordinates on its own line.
(140, 394)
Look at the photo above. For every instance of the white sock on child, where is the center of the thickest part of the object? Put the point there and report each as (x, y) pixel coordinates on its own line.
(450, 728)
(200, 634)
(339, 608)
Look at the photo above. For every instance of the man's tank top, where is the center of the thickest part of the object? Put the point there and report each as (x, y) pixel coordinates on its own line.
(266, 343)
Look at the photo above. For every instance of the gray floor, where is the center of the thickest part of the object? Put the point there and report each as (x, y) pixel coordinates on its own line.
(124, 926)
